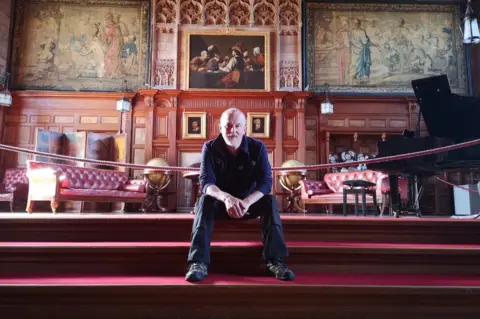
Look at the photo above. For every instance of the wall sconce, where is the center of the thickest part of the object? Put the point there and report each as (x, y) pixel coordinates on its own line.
(471, 34)
(5, 95)
(123, 105)
(326, 107)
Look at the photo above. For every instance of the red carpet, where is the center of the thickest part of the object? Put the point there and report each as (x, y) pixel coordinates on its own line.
(306, 244)
(225, 280)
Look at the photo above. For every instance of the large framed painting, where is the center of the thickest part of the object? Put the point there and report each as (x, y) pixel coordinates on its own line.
(381, 48)
(238, 61)
(81, 45)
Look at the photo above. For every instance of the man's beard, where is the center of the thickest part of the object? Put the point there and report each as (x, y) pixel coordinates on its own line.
(233, 140)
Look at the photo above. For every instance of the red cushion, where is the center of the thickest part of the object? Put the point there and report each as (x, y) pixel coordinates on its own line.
(101, 193)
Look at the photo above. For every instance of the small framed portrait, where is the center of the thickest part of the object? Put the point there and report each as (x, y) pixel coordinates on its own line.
(258, 124)
(194, 125)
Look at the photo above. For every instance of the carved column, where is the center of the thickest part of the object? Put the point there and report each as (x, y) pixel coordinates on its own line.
(278, 154)
(413, 114)
(148, 96)
(301, 133)
(164, 60)
(289, 45)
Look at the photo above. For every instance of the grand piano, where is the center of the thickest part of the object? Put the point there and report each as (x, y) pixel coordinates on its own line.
(450, 119)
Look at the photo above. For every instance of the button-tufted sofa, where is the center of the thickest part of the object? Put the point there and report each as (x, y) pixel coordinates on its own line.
(59, 182)
(14, 186)
(330, 190)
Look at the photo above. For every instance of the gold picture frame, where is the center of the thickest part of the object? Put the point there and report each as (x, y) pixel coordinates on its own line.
(194, 125)
(210, 55)
(258, 124)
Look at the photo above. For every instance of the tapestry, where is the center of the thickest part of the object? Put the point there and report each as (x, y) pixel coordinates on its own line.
(82, 45)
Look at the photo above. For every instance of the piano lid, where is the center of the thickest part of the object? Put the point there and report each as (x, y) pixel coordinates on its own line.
(433, 96)
(447, 115)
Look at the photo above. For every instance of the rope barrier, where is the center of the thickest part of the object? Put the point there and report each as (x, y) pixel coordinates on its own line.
(283, 169)
(457, 186)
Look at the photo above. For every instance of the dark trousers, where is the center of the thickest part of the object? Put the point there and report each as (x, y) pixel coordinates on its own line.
(207, 209)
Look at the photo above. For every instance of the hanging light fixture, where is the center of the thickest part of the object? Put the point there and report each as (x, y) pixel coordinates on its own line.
(326, 107)
(123, 105)
(471, 34)
(5, 95)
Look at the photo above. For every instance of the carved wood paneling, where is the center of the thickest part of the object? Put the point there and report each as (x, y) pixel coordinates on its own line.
(57, 111)
(235, 12)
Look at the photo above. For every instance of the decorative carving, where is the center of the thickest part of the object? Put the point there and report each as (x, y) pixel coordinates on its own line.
(412, 107)
(289, 104)
(264, 13)
(148, 96)
(165, 73)
(162, 103)
(226, 103)
(148, 100)
(166, 11)
(216, 12)
(239, 12)
(191, 12)
(289, 75)
(165, 28)
(233, 12)
(289, 30)
(289, 12)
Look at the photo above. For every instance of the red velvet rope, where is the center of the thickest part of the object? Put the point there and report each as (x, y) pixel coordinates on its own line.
(457, 186)
(282, 169)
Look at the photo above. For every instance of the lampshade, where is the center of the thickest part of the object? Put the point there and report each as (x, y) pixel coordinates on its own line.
(326, 107)
(471, 34)
(124, 105)
(5, 98)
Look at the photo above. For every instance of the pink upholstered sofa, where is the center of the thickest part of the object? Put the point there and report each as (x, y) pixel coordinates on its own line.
(58, 182)
(330, 190)
(14, 186)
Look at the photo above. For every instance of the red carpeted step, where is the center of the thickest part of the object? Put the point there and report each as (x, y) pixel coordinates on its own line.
(185, 244)
(177, 227)
(169, 258)
(310, 279)
(309, 296)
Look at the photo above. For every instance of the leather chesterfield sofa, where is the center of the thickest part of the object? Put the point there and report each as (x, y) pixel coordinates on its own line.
(14, 186)
(330, 191)
(59, 182)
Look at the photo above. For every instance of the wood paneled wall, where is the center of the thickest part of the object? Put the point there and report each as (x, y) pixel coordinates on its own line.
(59, 112)
(154, 126)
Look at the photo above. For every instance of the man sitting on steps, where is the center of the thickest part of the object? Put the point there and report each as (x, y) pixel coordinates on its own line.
(236, 180)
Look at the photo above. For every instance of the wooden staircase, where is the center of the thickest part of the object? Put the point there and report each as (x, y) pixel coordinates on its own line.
(133, 266)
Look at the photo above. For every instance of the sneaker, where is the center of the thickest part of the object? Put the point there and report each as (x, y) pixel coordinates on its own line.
(196, 272)
(280, 271)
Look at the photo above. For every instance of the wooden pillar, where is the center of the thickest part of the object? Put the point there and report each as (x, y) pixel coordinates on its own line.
(300, 123)
(278, 153)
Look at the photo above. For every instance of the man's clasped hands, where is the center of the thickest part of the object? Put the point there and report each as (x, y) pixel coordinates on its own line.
(236, 208)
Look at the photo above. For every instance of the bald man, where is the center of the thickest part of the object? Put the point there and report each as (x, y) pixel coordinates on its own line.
(236, 181)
